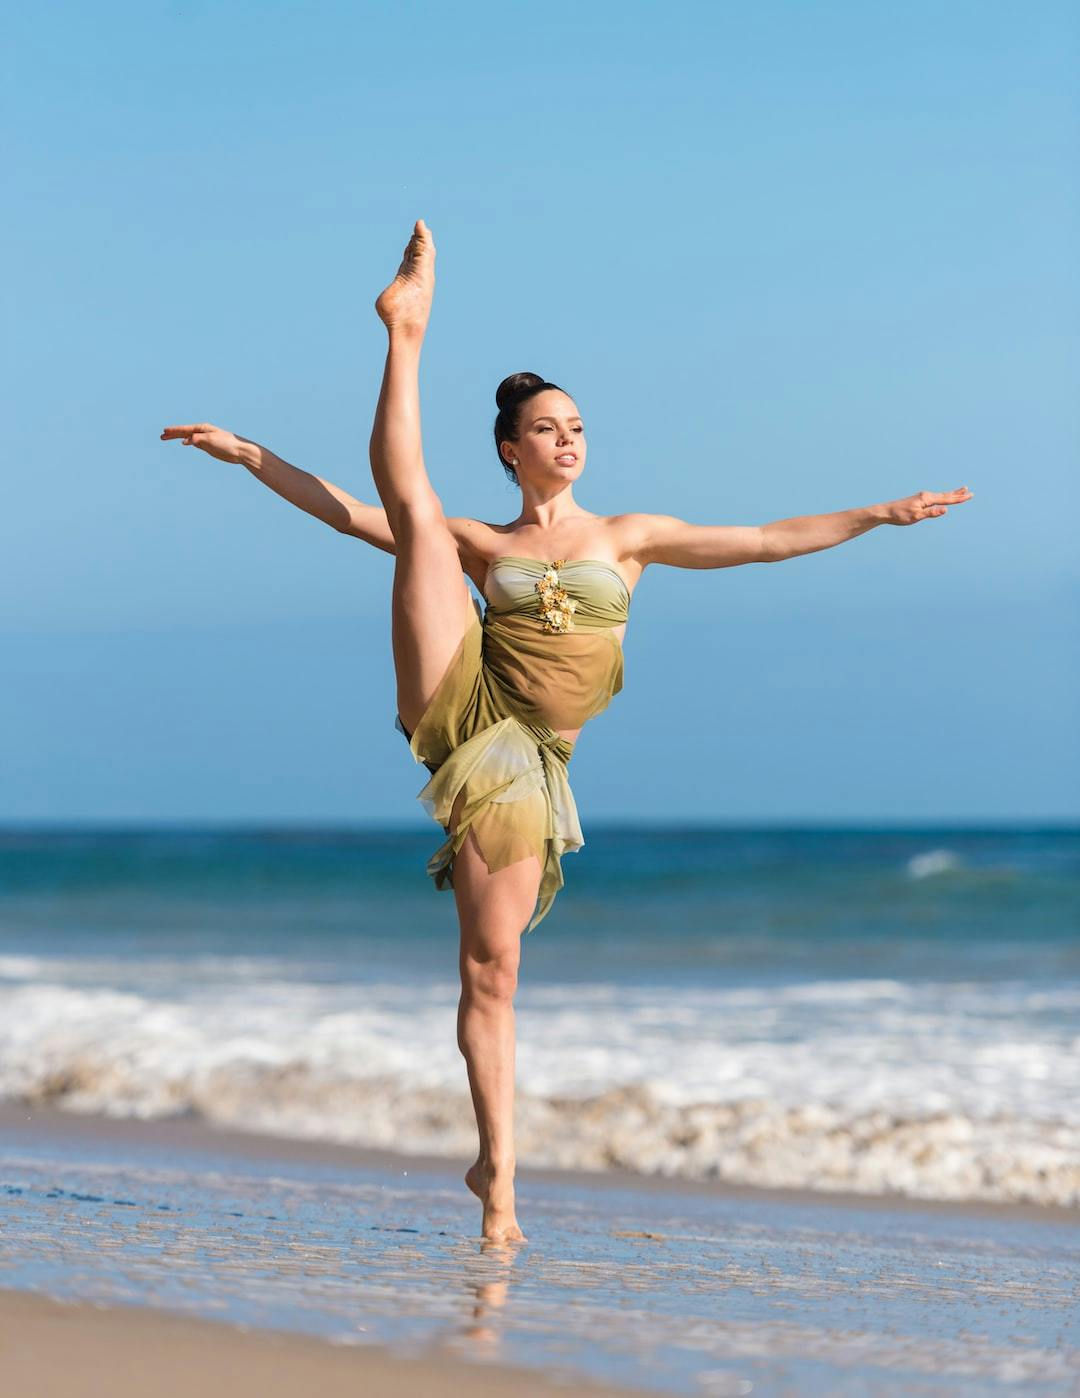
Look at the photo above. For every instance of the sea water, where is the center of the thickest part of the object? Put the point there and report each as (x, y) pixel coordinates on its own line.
(889, 1011)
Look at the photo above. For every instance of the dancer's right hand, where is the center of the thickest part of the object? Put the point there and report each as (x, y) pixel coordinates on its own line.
(217, 441)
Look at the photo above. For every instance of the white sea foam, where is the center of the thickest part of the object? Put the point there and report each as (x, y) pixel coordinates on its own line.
(20, 968)
(934, 861)
(952, 1090)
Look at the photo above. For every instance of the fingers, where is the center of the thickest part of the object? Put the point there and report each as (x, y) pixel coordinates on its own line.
(170, 433)
(934, 503)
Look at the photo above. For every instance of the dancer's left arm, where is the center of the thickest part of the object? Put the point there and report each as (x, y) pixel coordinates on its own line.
(665, 539)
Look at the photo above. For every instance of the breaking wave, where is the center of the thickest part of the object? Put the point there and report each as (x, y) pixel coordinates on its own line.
(877, 1086)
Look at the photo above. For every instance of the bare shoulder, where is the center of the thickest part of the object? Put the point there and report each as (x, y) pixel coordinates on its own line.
(476, 544)
(631, 536)
(473, 536)
(631, 531)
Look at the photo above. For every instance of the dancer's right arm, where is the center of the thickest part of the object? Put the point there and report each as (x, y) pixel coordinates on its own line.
(318, 497)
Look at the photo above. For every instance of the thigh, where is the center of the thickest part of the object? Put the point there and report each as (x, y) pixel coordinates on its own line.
(493, 909)
(431, 608)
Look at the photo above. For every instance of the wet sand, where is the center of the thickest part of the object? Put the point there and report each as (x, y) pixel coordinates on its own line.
(77, 1349)
(332, 1256)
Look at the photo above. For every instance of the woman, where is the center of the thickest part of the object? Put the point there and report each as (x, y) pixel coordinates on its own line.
(493, 702)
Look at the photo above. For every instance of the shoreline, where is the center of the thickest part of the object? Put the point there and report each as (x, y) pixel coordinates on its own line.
(184, 1255)
(57, 1124)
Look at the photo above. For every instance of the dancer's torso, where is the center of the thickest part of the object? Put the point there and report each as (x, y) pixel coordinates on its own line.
(553, 635)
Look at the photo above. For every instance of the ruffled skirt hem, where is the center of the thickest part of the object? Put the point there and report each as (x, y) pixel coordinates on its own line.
(517, 803)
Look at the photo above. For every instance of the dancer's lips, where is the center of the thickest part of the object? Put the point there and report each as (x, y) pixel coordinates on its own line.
(567, 458)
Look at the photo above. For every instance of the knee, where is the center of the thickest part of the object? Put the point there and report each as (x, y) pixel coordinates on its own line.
(416, 517)
(492, 978)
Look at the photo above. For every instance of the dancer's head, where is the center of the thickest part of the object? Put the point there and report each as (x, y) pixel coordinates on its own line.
(537, 423)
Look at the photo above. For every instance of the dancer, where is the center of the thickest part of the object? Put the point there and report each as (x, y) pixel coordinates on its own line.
(492, 700)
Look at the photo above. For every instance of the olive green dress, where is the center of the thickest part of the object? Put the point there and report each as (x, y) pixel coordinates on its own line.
(542, 655)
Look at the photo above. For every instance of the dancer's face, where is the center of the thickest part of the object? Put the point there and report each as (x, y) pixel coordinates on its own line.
(549, 428)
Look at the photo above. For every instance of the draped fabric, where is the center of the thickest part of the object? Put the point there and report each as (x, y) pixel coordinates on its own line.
(489, 729)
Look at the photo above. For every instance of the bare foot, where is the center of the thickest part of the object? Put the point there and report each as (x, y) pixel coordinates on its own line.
(406, 303)
(495, 1189)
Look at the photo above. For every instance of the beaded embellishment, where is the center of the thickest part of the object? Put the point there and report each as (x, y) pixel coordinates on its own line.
(558, 605)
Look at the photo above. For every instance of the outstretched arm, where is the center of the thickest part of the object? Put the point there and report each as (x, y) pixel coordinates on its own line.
(665, 539)
(319, 497)
(312, 494)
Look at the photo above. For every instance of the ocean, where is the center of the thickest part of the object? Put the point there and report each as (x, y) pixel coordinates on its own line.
(891, 1011)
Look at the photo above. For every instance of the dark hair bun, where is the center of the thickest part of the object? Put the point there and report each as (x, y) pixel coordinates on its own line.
(515, 384)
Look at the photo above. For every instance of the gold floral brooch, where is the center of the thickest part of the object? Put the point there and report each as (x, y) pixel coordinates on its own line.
(558, 606)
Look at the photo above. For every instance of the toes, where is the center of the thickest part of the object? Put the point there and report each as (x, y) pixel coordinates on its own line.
(422, 237)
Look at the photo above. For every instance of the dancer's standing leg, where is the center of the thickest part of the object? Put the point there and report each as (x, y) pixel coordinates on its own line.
(431, 610)
(492, 909)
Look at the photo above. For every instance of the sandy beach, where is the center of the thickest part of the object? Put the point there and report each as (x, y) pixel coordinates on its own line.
(83, 1348)
(225, 1256)
(73, 1349)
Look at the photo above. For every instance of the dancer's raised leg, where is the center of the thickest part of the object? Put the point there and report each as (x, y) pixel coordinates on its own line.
(431, 606)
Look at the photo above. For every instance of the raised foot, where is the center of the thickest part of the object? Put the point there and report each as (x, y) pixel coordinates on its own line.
(406, 303)
(495, 1190)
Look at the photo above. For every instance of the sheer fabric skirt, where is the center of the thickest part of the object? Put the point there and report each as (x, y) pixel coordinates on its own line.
(479, 738)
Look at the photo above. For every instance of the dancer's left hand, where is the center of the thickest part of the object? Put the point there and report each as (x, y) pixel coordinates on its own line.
(927, 504)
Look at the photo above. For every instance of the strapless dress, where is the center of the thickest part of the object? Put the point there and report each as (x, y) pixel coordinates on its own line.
(540, 656)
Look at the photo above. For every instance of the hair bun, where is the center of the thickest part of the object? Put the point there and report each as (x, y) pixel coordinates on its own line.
(514, 384)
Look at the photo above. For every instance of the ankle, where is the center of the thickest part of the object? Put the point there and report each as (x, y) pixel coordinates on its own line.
(406, 337)
(498, 1164)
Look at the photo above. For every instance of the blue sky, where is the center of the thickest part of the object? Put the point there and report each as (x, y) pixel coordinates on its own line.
(788, 258)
